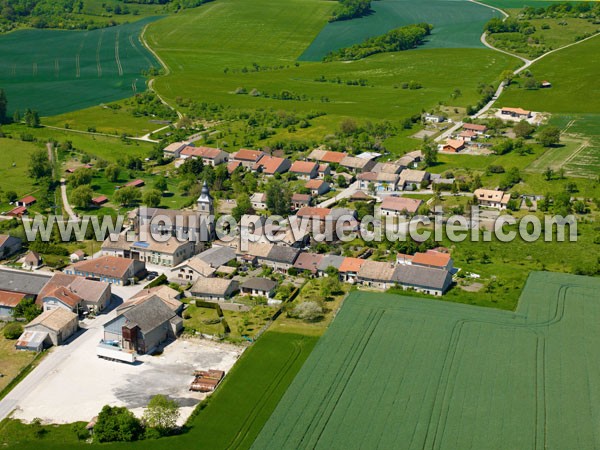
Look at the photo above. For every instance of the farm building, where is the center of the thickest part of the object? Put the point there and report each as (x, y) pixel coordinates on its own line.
(58, 325)
(516, 113)
(22, 282)
(259, 287)
(77, 255)
(219, 289)
(281, 258)
(376, 274)
(100, 200)
(167, 253)
(19, 211)
(433, 259)
(9, 245)
(111, 269)
(135, 183)
(26, 201)
(144, 327)
(8, 302)
(422, 279)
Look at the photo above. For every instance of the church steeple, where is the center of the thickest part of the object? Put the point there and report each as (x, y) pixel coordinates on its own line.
(205, 201)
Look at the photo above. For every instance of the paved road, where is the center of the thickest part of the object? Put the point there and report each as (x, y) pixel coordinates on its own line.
(58, 355)
(66, 205)
(344, 194)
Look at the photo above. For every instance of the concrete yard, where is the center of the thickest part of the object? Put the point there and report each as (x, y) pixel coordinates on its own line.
(78, 387)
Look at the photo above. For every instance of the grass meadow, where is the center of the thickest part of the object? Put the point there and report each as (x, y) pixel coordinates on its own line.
(437, 375)
(210, 53)
(573, 74)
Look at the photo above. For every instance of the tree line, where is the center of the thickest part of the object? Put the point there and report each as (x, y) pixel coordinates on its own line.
(398, 39)
(350, 9)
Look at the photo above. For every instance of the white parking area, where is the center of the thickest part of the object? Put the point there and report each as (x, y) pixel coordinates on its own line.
(82, 383)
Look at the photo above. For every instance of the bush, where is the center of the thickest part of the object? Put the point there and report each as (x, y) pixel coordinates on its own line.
(117, 424)
(308, 311)
(12, 331)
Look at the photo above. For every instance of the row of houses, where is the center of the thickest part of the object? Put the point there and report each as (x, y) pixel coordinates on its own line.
(404, 180)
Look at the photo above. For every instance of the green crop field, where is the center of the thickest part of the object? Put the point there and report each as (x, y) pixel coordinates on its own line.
(514, 4)
(211, 51)
(457, 24)
(395, 372)
(55, 71)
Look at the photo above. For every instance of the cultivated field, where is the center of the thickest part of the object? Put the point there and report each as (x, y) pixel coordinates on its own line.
(457, 24)
(55, 71)
(211, 52)
(437, 375)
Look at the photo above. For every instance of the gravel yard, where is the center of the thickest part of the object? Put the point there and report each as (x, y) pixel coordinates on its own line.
(82, 383)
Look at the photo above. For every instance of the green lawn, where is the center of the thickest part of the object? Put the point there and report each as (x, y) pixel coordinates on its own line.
(231, 418)
(395, 372)
(54, 71)
(11, 361)
(457, 24)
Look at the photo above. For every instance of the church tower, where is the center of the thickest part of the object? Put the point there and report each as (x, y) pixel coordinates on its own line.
(205, 202)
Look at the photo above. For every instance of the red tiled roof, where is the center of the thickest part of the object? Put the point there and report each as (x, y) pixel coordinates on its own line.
(311, 211)
(269, 164)
(232, 165)
(65, 296)
(28, 200)
(455, 143)
(304, 167)
(431, 258)
(202, 152)
(248, 155)
(109, 266)
(18, 211)
(314, 184)
(333, 157)
(474, 127)
(100, 199)
(351, 264)
(301, 198)
(10, 299)
(400, 204)
(135, 183)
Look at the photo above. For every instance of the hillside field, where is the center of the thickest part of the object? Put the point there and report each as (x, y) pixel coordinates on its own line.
(447, 376)
(456, 24)
(215, 49)
(55, 71)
